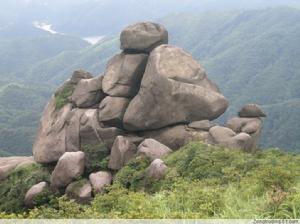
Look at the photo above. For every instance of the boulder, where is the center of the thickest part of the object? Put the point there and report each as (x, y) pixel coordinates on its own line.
(122, 151)
(100, 180)
(247, 125)
(50, 141)
(203, 125)
(34, 192)
(80, 74)
(81, 191)
(251, 126)
(92, 132)
(69, 167)
(176, 136)
(251, 110)
(112, 110)
(143, 37)
(228, 138)
(8, 164)
(157, 169)
(88, 92)
(153, 149)
(123, 75)
(174, 90)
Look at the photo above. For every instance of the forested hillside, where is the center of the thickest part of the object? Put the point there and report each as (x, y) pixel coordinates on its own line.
(252, 55)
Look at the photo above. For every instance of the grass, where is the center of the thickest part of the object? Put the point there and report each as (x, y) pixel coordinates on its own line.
(62, 96)
(202, 181)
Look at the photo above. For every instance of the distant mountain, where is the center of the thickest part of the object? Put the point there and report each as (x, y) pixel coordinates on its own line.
(252, 55)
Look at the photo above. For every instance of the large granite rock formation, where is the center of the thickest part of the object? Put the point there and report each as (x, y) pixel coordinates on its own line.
(153, 99)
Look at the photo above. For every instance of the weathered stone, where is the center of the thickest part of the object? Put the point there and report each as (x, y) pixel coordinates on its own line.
(100, 180)
(247, 125)
(50, 142)
(157, 169)
(174, 90)
(143, 37)
(122, 151)
(153, 149)
(251, 110)
(79, 75)
(34, 192)
(112, 110)
(200, 125)
(92, 132)
(69, 167)
(80, 190)
(228, 138)
(88, 92)
(8, 164)
(251, 126)
(177, 136)
(123, 74)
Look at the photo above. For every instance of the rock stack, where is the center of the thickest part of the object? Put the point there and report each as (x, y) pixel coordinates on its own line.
(152, 99)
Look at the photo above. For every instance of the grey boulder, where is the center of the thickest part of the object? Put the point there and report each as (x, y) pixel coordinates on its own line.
(81, 191)
(50, 141)
(100, 180)
(93, 132)
(69, 167)
(34, 192)
(88, 92)
(157, 169)
(174, 90)
(251, 126)
(122, 151)
(251, 110)
(228, 138)
(153, 149)
(123, 74)
(143, 37)
(112, 110)
(80, 74)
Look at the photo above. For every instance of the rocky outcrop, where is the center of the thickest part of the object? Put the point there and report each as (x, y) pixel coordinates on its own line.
(153, 99)
(143, 37)
(88, 92)
(123, 75)
(153, 149)
(174, 90)
(100, 180)
(112, 110)
(69, 167)
(122, 151)
(157, 169)
(34, 192)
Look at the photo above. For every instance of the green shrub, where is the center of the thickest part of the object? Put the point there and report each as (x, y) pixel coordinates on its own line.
(133, 175)
(62, 96)
(96, 157)
(14, 188)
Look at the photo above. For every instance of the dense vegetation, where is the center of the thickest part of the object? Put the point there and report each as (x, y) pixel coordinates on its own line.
(202, 181)
(252, 55)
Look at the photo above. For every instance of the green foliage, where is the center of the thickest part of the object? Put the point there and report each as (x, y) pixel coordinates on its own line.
(133, 176)
(62, 96)
(14, 188)
(203, 181)
(96, 157)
